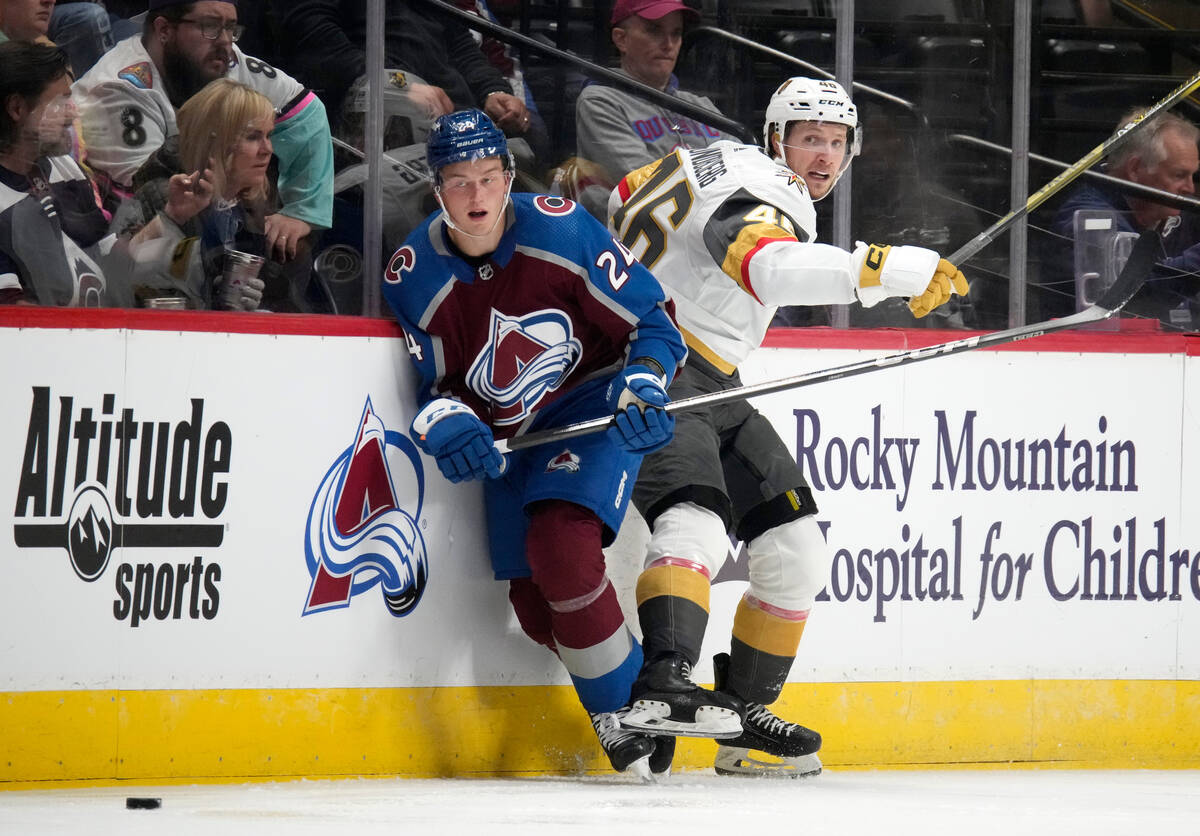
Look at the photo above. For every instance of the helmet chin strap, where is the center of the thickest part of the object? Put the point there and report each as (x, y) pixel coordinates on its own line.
(437, 193)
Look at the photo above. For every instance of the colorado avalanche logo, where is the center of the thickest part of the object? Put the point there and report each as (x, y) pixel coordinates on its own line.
(358, 535)
(525, 358)
(565, 461)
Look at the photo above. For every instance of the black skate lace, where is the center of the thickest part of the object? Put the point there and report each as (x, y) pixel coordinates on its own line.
(761, 716)
(608, 729)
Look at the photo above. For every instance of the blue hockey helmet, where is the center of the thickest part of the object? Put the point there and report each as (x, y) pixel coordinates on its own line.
(464, 135)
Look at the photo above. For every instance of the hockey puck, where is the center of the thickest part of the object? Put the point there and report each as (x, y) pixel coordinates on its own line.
(143, 803)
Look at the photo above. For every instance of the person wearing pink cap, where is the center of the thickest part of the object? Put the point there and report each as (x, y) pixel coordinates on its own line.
(621, 131)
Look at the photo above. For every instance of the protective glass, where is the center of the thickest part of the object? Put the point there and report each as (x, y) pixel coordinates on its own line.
(817, 142)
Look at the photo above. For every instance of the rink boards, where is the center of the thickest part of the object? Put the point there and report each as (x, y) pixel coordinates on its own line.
(224, 558)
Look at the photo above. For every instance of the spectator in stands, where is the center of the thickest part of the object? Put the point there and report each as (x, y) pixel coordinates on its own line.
(128, 103)
(205, 192)
(26, 20)
(87, 30)
(1161, 154)
(502, 57)
(443, 68)
(53, 235)
(1096, 12)
(622, 132)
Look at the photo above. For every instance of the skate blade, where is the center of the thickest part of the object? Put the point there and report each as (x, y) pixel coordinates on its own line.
(654, 717)
(640, 769)
(733, 760)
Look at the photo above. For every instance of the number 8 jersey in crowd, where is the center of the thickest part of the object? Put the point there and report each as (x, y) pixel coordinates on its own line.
(126, 115)
(730, 234)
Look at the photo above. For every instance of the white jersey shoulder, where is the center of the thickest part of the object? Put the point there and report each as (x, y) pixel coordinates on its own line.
(125, 111)
(731, 234)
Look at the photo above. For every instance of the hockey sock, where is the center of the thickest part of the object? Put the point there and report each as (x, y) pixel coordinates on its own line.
(587, 624)
(672, 605)
(765, 639)
(532, 611)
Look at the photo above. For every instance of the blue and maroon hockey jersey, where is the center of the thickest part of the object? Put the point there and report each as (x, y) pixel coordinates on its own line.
(559, 303)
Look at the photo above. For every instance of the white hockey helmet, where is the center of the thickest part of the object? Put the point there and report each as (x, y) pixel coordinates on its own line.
(802, 99)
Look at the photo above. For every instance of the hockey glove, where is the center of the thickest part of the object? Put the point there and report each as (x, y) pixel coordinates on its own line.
(461, 443)
(947, 281)
(915, 272)
(637, 397)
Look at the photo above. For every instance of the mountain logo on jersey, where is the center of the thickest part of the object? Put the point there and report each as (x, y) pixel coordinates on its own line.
(359, 532)
(525, 358)
(565, 461)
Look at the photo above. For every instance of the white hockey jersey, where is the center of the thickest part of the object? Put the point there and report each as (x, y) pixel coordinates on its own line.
(730, 234)
(126, 114)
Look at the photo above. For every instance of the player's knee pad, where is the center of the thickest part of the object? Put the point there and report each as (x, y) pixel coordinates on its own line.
(689, 532)
(563, 549)
(788, 564)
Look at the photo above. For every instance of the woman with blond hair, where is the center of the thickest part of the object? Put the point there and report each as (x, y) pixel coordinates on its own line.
(207, 193)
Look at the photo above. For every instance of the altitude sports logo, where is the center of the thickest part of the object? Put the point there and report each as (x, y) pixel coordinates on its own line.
(132, 484)
(362, 524)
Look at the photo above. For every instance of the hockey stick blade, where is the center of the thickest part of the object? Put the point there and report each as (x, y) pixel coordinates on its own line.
(1142, 258)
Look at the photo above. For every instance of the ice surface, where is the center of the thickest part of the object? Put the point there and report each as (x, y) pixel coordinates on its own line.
(929, 803)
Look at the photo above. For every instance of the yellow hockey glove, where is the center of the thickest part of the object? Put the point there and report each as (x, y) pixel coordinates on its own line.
(946, 281)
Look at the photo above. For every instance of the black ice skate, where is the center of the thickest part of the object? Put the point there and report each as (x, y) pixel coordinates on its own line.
(665, 701)
(664, 755)
(626, 750)
(792, 749)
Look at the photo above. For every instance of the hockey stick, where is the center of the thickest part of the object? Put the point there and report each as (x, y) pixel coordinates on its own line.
(1064, 178)
(346, 146)
(1133, 275)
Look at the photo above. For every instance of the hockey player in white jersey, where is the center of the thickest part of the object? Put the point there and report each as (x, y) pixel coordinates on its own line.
(730, 232)
(128, 100)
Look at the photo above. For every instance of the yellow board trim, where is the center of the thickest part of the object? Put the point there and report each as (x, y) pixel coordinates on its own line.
(218, 735)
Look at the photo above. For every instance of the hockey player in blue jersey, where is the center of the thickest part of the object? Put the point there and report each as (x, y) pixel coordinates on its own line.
(521, 312)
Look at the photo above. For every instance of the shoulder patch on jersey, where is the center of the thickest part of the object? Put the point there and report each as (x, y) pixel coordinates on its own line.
(138, 75)
(553, 206)
(793, 179)
(402, 262)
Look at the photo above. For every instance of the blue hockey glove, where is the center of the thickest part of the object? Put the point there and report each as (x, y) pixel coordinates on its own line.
(637, 397)
(461, 443)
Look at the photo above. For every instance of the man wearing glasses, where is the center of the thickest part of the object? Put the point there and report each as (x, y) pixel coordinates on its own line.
(128, 103)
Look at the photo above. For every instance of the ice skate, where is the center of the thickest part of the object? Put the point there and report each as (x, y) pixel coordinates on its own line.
(665, 701)
(663, 756)
(768, 746)
(626, 750)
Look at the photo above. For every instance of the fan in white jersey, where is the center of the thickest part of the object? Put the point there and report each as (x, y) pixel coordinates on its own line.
(128, 101)
(730, 232)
